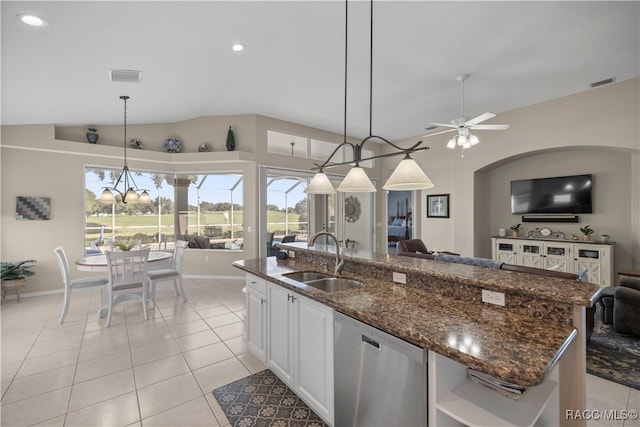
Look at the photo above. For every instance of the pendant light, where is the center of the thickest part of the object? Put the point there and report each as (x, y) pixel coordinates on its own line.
(407, 176)
(129, 194)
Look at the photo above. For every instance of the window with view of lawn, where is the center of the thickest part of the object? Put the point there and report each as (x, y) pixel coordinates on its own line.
(214, 211)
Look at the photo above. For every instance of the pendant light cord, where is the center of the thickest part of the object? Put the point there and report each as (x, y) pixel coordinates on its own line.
(124, 144)
(371, 72)
(346, 48)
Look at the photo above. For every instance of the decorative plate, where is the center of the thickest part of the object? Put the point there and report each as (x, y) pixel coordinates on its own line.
(172, 145)
(546, 232)
(204, 148)
(352, 209)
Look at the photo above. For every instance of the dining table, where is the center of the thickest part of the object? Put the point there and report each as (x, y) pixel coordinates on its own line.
(98, 263)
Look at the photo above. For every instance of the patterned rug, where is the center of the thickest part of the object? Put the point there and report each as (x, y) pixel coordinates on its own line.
(263, 400)
(613, 356)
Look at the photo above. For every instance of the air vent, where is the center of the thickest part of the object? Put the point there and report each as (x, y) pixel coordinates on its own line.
(603, 82)
(127, 76)
(431, 127)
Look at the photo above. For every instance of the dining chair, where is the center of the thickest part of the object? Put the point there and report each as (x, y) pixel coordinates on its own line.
(72, 284)
(174, 273)
(127, 278)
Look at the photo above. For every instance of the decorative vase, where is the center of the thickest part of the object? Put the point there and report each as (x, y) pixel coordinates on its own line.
(172, 145)
(587, 237)
(92, 135)
(516, 233)
(231, 140)
(604, 238)
(204, 148)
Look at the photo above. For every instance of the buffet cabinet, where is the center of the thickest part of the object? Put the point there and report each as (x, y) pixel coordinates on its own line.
(559, 255)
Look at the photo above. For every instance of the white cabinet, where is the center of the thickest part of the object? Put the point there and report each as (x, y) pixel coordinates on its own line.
(256, 321)
(300, 347)
(571, 257)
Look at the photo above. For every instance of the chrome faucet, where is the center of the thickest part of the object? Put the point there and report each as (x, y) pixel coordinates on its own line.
(339, 261)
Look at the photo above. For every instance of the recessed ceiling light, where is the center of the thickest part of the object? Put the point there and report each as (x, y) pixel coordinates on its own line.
(237, 47)
(33, 20)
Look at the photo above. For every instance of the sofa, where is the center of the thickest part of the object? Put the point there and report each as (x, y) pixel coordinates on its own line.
(416, 248)
(621, 306)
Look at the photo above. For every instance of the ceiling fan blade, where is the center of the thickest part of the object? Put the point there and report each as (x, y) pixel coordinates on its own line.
(481, 118)
(489, 127)
(439, 133)
(439, 125)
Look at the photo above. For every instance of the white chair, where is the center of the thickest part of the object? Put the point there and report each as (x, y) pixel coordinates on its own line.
(71, 284)
(174, 274)
(127, 277)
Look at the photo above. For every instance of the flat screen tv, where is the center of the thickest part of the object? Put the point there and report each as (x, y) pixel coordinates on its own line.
(559, 195)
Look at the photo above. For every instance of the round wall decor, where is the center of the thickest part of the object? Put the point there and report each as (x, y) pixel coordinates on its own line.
(352, 209)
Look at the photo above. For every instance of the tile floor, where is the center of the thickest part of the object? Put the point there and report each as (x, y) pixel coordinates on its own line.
(158, 372)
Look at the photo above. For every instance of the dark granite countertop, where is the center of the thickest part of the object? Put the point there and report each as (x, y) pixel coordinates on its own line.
(499, 342)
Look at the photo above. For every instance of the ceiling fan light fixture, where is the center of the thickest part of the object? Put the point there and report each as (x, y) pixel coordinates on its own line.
(473, 139)
(452, 143)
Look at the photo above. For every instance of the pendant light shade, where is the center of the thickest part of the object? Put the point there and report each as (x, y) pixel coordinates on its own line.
(107, 197)
(408, 176)
(320, 184)
(356, 181)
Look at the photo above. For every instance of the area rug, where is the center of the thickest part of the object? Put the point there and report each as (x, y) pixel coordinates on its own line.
(263, 400)
(613, 356)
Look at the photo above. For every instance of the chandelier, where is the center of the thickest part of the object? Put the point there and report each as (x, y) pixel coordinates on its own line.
(407, 175)
(130, 189)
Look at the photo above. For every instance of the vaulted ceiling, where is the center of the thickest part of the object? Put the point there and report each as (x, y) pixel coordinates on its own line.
(292, 68)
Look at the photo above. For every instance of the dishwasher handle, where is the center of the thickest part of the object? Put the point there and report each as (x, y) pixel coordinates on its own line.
(371, 342)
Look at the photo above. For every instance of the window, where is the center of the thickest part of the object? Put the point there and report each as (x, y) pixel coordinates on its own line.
(210, 205)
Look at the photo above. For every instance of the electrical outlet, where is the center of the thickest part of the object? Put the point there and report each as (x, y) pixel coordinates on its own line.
(399, 278)
(491, 297)
(249, 229)
(206, 258)
(292, 254)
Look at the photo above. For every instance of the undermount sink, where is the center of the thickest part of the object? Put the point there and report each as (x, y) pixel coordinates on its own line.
(334, 284)
(323, 281)
(306, 276)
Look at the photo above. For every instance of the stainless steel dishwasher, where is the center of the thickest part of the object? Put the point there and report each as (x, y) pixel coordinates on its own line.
(380, 380)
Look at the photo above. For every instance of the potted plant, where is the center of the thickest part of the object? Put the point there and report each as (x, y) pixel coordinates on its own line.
(516, 230)
(586, 231)
(13, 275)
(125, 246)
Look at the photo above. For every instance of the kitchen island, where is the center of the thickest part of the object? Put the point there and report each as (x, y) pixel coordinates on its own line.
(440, 309)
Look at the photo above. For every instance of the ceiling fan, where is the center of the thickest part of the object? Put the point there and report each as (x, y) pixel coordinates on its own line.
(464, 124)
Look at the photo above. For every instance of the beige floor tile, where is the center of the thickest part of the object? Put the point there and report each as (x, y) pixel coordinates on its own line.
(104, 334)
(145, 338)
(105, 348)
(94, 368)
(207, 355)
(222, 373)
(237, 345)
(119, 411)
(188, 328)
(13, 339)
(217, 409)
(199, 339)
(48, 362)
(101, 389)
(62, 331)
(167, 394)
(41, 348)
(146, 326)
(155, 351)
(634, 397)
(251, 363)
(222, 320)
(160, 370)
(230, 331)
(53, 422)
(9, 370)
(193, 413)
(36, 409)
(33, 385)
(210, 311)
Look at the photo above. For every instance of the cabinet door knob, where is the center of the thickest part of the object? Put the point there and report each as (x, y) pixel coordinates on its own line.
(261, 300)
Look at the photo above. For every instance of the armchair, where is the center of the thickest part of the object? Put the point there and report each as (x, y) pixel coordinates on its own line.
(621, 306)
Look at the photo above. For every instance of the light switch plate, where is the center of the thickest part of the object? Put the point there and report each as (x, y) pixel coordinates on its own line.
(491, 297)
(399, 278)
(292, 254)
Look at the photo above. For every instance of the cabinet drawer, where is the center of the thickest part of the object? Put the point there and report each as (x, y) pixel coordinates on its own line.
(255, 282)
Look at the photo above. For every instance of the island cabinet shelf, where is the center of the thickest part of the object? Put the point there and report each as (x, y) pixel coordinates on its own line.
(459, 401)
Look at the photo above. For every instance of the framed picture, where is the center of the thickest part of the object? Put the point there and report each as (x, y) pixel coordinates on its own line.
(32, 208)
(437, 206)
